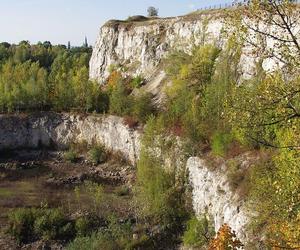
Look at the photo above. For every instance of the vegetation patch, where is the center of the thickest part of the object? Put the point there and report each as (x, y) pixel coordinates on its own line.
(27, 224)
(199, 232)
(71, 155)
(97, 154)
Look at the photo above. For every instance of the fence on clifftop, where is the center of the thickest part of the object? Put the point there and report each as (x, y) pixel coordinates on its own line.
(232, 5)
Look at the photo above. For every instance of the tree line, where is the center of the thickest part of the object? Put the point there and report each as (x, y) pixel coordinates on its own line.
(46, 77)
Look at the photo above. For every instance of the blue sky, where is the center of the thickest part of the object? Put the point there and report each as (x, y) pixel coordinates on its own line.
(60, 21)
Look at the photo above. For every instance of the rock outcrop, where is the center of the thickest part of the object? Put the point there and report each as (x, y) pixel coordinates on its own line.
(141, 45)
(59, 130)
(212, 195)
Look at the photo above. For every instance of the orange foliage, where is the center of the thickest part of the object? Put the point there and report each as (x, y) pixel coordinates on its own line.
(114, 78)
(225, 240)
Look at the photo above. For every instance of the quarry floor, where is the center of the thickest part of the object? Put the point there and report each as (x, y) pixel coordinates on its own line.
(35, 178)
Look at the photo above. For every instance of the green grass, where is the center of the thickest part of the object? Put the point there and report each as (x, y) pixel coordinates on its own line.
(5, 192)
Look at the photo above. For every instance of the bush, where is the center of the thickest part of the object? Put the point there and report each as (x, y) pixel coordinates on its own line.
(220, 143)
(137, 18)
(70, 155)
(142, 107)
(83, 226)
(160, 195)
(97, 154)
(28, 224)
(98, 240)
(22, 224)
(52, 224)
(136, 82)
(115, 236)
(120, 103)
(198, 233)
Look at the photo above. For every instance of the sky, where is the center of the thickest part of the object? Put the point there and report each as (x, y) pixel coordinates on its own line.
(60, 21)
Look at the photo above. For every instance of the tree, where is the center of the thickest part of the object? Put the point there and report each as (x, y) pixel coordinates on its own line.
(120, 102)
(152, 11)
(85, 44)
(278, 178)
(225, 240)
(272, 98)
(47, 44)
(259, 110)
(160, 195)
(142, 107)
(272, 29)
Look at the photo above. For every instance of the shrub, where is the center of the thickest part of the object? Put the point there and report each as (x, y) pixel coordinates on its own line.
(70, 155)
(198, 233)
(120, 103)
(52, 224)
(115, 236)
(275, 194)
(85, 243)
(83, 226)
(220, 143)
(136, 82)
(99, 101)
(97, 154)
(22, 224)
(142, 107)
(159, 193)
(27, 224)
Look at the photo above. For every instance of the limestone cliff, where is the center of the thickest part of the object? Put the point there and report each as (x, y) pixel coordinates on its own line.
(59, 130)
(212, 195)
(140, 45)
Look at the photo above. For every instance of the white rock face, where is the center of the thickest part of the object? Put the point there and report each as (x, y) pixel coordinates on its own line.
(140, 46)
(51, 129)
(213, 195)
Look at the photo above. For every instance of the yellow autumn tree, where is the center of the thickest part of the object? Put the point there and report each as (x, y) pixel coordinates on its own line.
(225, 240)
